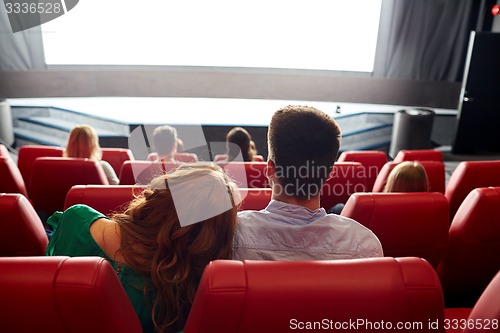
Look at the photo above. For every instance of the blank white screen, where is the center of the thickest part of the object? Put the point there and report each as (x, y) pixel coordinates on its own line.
(302, 34)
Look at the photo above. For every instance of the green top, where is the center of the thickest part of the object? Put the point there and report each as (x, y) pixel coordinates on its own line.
(72, 238)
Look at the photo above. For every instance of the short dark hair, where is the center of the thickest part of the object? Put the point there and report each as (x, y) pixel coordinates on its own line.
(164, 139)
(303, 144)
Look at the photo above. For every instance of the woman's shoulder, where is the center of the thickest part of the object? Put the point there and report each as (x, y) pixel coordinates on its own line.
(72, 231)
(83, 211)
(80, 213)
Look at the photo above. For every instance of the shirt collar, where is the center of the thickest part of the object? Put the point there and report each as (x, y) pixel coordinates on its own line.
(295, 212)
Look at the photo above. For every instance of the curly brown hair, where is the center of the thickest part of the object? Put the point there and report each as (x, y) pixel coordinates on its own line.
(170, 256)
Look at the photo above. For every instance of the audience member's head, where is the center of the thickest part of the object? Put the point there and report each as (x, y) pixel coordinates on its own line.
(303, 146)
(407, 176)
(180, 145)
(238, 140)
(172, 256)
(165, 140)
(83, 142)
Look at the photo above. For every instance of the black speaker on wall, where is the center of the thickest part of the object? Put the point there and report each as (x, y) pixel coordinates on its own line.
(478, 125)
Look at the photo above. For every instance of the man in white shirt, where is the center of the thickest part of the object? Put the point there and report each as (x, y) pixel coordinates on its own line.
(303, 145)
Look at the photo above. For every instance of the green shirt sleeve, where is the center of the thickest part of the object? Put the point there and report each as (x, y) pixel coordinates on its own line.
(71, 235)
(72, 238)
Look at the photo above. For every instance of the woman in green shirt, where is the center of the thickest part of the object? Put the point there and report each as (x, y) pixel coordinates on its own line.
(157, 246)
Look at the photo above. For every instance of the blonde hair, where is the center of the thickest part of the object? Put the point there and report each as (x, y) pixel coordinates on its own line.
(83, 142)
(170, 256)
(409, 176)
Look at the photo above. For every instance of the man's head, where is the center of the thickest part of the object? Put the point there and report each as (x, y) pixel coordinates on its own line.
(164, 140)
(303, 146)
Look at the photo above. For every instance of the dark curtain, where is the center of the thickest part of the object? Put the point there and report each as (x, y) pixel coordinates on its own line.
(423, 39)
(21, 50)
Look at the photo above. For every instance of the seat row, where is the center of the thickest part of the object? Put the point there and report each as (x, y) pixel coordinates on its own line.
(466, 254)
(348, 176)
(355, 172)
(83, 294)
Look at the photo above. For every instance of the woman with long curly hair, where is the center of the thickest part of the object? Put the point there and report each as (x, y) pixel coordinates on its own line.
(160, 245)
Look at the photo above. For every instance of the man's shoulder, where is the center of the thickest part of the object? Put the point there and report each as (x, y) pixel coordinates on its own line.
(328, 237)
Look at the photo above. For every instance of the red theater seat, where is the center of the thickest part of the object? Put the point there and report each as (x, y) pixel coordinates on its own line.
(472, 257)
(52, 177)
(247, 174)
(255, 198)
(180, 157)
(142, 172)
(107, 199)
(346, 178)
(407, 224)
(116, 156)
(283, 296)
(435, 174)
(63, 295)
(487, 310)
(11, 180)
(22, 231)
(468, 176)
(4, 152)
(419, 155)
(186, 157)
(372, 160)
(223, 157)
(29, 153)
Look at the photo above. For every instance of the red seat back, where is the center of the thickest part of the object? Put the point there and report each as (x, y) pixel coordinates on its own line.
(142, 172)
(180, 157)
(372, 160)
(11, 180)
(29, 153)
(255, 198)
(473, 253)
(281, 296)
(22, 230)
(487, 310)
(435, 174)
(186, 157)
(346, 178)
(407, 224)
(220, 157)
(468, 176)
(64, 295)
(52, 177)
(247, 174)
(107, 199)
(419, 155)
(4, 152)
(116, 156)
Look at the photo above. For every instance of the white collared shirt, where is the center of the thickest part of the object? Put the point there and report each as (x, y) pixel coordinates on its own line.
(285, 231)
